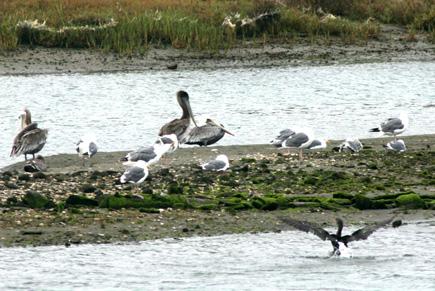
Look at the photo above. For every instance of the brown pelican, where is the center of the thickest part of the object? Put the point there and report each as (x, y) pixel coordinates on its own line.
(136, 174)
(180, 126)
(31, 139)
(221, 163)
(360, 234)
(207, 134)
(393, 126)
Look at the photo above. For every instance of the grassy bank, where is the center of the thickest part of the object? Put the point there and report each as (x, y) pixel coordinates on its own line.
(133, 26)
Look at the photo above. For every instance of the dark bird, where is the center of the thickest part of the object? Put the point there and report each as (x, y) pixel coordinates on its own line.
(335, 239)
(393, 126)
(31, 139)
(207, 134)
(36, 165)
(180, 126)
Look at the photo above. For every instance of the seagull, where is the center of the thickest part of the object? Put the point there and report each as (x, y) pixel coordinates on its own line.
(300, 140)
(396, 145)
(282, 136)
(152, 154)
(135, 174)
(86, 148)
(393, 126)
(352, 145)
(36, 165)
(31, 139)
(207, 134)
(180, 126)
(318, 144)
(337, 238)
(220, 164)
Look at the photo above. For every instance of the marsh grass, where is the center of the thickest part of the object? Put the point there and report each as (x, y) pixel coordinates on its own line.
(195, 24)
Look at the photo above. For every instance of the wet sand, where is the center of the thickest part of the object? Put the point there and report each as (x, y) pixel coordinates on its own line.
(378, 172)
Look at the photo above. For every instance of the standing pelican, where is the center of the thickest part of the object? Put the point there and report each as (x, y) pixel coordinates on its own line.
(207, 134)
(31, 139)
(360, 234)
(180, 126)
(393, 126)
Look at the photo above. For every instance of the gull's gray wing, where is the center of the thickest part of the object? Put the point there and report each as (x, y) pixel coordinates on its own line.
(92, 149)
(308, 227)
(355, 145)
(364, 233)
(392, 124)
(283, 135)
(296, 140)
(397, 146)
(214, 165)
(133, 174)
(143, 154)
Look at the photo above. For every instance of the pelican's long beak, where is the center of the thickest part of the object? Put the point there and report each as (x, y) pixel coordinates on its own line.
(189, 109)
(221, 127)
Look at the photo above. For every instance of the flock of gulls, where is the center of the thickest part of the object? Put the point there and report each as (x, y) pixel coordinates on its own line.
(184, 130)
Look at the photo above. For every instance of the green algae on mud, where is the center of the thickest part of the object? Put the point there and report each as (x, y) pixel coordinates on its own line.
(261, 180)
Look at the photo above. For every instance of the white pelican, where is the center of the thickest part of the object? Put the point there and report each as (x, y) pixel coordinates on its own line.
(396, 145)
(180, 126)
(393, 126)
(31, 139)
(221, 163)
(207, 134)
(282, 136)
(136, 174)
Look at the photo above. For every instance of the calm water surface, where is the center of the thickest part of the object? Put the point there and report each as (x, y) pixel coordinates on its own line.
(126, 110)
(391, 259)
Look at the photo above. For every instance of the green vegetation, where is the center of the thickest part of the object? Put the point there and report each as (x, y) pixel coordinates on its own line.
(133, 26)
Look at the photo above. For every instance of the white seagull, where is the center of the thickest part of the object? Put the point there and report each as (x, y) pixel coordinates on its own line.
(393, 126)
(135, 174)
(86, 147)
(352, 145)
(221, 163)
(396, 145)
(152, 154)
(301, 140)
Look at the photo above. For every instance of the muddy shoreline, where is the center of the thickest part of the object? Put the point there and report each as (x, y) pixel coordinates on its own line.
(391, 46)
(88, 205)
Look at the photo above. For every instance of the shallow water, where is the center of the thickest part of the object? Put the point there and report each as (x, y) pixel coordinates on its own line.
(391, 259)
(126, 110)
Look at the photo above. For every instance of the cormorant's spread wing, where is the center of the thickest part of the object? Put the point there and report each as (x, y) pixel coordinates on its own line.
(308, 227)
(365, 232)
